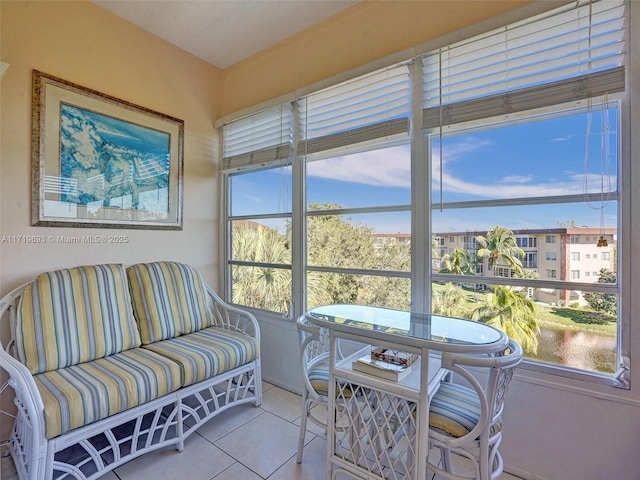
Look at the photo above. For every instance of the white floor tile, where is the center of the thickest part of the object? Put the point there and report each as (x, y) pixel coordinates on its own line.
(228, 421)
(263, 444)
(313, 466)
(200, 460)
(282, 403)
(237, 471)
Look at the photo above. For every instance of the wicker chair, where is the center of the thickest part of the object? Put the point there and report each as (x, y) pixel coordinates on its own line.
(314, 361)
(466, 420)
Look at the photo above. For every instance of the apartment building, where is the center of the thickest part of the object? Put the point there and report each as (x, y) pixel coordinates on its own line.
(572, 254)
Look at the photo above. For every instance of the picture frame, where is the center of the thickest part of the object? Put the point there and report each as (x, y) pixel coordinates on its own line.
(98, 161)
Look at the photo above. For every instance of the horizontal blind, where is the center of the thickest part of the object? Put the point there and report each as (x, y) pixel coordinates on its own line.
(259, 140)
(366, 108)
(575, 53)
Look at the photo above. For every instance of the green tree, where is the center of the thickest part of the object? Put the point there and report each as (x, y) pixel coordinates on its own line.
(513, 313)
(264, 287)
(334, 241)
(603, 302)
(446, 301)
(500, 246)
(458, 262)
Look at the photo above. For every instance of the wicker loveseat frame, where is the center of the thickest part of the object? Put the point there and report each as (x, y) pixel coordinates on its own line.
(107, 363)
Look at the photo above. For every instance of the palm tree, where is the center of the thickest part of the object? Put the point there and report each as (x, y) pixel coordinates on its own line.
(446, 301)
(458, 262)
(500, 245)
(261, 286)
(513, 313)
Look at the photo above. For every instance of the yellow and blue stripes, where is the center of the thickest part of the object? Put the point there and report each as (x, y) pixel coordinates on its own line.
(74, 315)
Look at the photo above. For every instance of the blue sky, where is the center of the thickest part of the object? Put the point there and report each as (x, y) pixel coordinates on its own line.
(544, 158)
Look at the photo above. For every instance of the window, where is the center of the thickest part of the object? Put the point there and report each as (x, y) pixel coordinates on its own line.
(527, 242)
(330, 200)
(530, 260)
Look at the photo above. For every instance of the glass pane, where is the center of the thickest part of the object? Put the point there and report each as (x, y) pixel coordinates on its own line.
(373, 178)
(585, 219)
(573, 154)
(360, 241)
(260, 192)
(551, 240)
(341, 288)
(261, 241)
(261, 287)
(565, 327)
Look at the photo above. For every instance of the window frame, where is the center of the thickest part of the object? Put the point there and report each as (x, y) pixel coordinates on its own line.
(421, 269)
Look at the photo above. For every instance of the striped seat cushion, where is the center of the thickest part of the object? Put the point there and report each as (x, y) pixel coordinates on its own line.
(84, 393)
(169, 299)
(319, 379)
(455, 410)
(74, 315)
(207, 353)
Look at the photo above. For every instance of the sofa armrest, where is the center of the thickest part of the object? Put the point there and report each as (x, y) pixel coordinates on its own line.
(27, 398)
(233, 318)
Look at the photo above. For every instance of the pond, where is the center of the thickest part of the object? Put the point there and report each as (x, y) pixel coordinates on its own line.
(582, 350)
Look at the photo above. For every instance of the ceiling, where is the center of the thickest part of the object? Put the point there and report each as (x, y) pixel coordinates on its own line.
(224, 32)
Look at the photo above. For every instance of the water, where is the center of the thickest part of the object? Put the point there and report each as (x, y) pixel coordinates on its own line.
(582, 350)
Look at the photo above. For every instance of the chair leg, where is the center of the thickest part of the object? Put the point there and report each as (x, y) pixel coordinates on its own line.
(303, 427)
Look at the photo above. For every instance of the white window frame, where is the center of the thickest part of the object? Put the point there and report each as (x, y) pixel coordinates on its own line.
(421, 274)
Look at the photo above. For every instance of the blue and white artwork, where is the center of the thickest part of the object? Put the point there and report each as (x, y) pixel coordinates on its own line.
(109, 162)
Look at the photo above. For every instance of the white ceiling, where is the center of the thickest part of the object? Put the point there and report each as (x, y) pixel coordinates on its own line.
(224, 32)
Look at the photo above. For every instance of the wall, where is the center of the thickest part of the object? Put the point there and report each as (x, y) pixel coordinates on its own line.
(364, 33)
(555, 428)
(84, 44)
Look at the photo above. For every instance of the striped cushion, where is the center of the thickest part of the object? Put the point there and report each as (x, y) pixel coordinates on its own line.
(81, 394)
(169, 299)
(319, 379)
(207, 353)
(74, 315)
(455, 410)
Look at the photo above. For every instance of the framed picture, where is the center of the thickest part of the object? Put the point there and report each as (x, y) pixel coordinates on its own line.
(102, 162)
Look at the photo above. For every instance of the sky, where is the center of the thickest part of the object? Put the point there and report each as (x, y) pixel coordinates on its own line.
(549, 157)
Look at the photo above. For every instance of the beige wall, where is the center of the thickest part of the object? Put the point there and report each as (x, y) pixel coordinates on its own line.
(84, 44)
(364, 33)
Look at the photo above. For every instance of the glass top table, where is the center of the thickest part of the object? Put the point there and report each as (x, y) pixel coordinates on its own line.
(400, 331)
(413, 329)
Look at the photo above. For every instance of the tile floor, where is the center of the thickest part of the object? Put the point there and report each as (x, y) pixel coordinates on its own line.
(243, 443)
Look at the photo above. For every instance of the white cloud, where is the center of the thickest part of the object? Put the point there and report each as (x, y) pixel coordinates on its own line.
(387, 168)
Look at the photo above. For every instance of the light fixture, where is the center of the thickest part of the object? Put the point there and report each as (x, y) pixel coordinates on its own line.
(605, 164)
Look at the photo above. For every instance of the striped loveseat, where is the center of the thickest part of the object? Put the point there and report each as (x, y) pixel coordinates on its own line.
(108, 363)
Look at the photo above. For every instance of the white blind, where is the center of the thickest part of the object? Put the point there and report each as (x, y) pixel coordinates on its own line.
(259, 140)
(576, 52)
(366, 108)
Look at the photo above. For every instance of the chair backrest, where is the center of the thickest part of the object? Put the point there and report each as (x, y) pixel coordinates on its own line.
(500, 368)
(314, 351)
